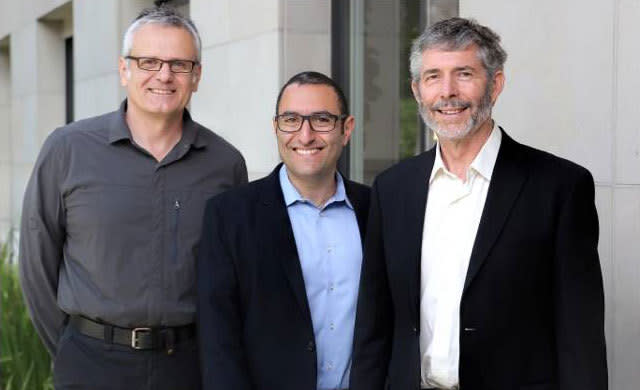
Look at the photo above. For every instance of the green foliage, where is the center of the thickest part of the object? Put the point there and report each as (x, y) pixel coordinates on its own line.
(24, 362)
(409, 127)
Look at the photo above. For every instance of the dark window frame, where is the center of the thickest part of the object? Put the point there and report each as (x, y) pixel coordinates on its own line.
(68, 73)
(341, 62)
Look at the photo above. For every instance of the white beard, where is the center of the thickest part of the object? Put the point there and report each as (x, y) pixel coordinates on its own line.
(481, 115)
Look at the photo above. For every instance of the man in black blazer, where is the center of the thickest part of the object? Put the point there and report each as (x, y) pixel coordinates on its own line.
(279, 262)
(481, 268)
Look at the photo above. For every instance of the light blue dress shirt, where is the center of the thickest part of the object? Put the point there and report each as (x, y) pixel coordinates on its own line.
(330, 252)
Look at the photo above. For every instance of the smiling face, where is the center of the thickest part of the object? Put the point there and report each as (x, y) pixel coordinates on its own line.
(311, 156)
(159, 93)
(454, 93)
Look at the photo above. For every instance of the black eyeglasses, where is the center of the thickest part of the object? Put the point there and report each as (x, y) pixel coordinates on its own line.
(322, 122)
(155, 64)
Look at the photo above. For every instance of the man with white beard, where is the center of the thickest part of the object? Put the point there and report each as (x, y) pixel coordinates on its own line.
(480, 268)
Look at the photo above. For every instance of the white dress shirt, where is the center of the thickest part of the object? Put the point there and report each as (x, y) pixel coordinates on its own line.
(452, 215)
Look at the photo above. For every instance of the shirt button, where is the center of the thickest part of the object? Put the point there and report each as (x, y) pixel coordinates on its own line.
(310, 346)
(331, 287)
(332, 326)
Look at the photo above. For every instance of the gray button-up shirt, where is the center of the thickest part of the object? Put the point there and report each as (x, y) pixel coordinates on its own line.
(110, 233)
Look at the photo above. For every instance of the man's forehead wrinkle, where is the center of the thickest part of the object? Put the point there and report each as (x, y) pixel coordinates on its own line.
(143, 40)
(291, 112)
(156, 57)
(446, 53)
(318, 112)
(452, 46)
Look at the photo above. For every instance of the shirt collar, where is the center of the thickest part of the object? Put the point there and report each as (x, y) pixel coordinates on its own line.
(486, 158)
(291, 194)
(484, 161)
(438, 164)
(119, 129)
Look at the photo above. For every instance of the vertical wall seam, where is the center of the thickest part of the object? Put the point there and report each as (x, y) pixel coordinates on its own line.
(613, 160)
(282, 41)
(13, 228)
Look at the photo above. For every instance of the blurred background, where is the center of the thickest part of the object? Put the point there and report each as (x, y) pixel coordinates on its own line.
(573, 87)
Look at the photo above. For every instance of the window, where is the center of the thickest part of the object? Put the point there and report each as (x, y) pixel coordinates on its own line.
(68, 72)
(371, 60)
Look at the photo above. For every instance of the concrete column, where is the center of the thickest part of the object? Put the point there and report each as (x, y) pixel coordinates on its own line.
(5, 141)
(624, 288)
(98, 30)
(37, 95)
(37, 99)
(250, 49)
(242, 68)
(306, 37)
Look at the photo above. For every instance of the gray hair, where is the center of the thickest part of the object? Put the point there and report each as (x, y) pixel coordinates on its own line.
(457, 34)
(164, 16)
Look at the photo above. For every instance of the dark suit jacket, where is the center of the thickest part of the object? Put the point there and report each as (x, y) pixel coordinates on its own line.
(531, 315)
(254, 321)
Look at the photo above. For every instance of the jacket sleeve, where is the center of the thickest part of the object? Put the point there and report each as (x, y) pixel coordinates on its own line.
(579, 297)
(42, 235)
(240, 172)
(220, 323)
(374, 315)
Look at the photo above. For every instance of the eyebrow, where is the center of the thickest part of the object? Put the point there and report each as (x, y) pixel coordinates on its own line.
(313, 113)
(456, 69)
(170, 59)
(289, 113)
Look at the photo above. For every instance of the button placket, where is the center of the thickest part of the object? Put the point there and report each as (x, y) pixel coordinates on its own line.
(176, 228)
(157, 277)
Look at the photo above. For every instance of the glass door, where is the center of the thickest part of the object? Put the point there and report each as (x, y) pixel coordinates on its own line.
(388, 126)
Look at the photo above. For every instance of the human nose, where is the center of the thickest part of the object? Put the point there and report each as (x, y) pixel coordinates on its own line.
(164, 73)
(306, 135)
(449, 87)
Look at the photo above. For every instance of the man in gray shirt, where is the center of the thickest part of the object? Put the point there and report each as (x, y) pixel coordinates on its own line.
(111, 221)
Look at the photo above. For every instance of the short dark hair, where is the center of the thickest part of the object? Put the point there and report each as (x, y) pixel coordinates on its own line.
(315, 78)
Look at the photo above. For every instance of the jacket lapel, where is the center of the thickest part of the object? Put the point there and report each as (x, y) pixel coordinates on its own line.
(413, 205)
(360, 206)
(506, 183)
(277, 226)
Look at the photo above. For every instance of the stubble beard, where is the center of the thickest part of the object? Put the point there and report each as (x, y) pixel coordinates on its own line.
(480, 116)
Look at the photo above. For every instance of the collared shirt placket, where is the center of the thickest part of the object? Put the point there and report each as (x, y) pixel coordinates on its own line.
(166, 216)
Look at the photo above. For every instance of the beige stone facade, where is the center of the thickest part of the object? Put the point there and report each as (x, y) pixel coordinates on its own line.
(572, 89)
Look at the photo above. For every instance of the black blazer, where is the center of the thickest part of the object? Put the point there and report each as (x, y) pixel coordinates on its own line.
(532, 309)
(254, 321)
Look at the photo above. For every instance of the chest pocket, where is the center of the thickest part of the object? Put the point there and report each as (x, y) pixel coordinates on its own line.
(185, 210)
